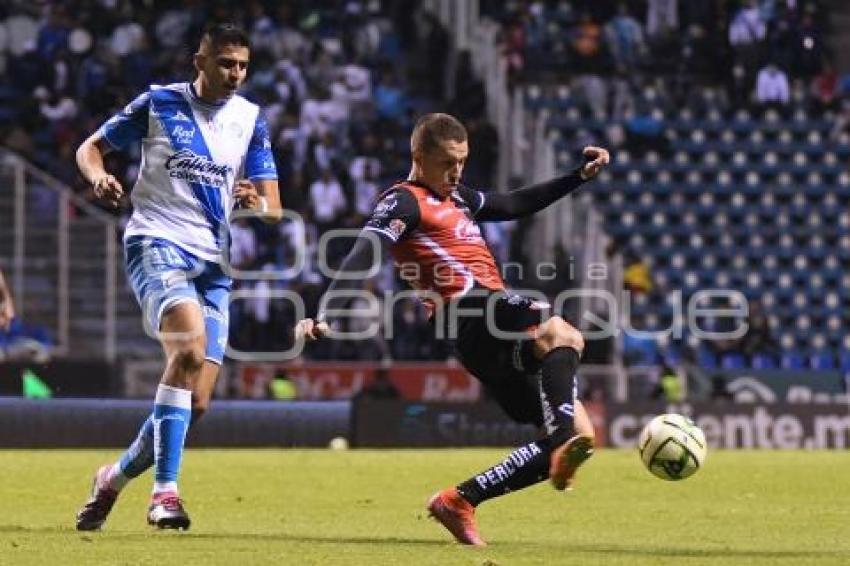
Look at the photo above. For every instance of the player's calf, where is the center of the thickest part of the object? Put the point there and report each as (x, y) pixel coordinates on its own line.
(199, 409)
(202, 392)
(559, 346)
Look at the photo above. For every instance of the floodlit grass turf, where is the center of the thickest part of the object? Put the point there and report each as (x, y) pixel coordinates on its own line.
(366, 507)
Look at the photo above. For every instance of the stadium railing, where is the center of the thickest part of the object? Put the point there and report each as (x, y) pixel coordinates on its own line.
(65, 264)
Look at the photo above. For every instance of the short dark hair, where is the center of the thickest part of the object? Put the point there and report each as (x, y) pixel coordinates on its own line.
(217, 36)
(433, 129)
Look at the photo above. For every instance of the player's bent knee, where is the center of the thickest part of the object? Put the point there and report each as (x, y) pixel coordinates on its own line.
(188, 359)
(558, 333)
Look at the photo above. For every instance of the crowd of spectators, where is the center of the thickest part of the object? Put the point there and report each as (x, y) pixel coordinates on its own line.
(634, 65)
(754, 49)
(340, 82)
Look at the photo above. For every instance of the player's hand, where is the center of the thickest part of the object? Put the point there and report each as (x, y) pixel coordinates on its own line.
(246, 195)
(309, 329)
(107, 189)
(597, 158)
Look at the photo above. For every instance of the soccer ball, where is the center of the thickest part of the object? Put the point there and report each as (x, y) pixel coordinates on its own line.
(672, 447)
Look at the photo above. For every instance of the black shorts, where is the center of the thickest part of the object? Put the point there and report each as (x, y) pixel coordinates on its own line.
(505, 366)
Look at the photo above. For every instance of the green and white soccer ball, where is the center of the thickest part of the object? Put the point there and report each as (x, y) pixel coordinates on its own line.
(672, 447)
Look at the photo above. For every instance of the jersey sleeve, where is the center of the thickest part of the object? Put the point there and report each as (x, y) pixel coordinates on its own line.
(395, 216)
(473, 199)
(259, 161)
(130, 125)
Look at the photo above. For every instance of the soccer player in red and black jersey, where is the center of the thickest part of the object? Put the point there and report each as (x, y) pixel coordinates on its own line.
(429, 223)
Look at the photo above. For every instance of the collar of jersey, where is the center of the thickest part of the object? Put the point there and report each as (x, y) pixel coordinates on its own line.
(203, 102)
(424, 186)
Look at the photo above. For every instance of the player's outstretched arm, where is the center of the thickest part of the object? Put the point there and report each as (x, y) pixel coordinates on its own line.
(528, 200)
(90, 161)
(369, 248)
(395, 216)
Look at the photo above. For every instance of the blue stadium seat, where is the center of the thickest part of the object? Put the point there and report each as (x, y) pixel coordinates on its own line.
(792, 359)
(844, 360)
(639, 351)
(673, 356)
(733, 360)
(706, 359)
(750, 200)
(822, 360)
(763, 360)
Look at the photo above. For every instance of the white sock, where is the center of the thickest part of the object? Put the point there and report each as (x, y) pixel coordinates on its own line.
(163, 487)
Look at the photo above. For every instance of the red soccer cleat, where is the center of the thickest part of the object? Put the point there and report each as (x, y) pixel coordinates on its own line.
(566, 459)
(457, 515)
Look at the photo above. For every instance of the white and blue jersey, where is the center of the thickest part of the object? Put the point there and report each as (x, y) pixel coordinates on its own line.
(192, 154)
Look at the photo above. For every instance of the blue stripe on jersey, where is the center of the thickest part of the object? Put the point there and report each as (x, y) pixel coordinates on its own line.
(130, 125)
(192, 160)
(259, 161)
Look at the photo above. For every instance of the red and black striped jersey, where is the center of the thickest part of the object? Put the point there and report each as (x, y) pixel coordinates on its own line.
(436, 242)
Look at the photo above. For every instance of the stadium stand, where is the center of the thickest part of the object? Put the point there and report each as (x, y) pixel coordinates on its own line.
(713, 184)
(709, 187)
(337, 82)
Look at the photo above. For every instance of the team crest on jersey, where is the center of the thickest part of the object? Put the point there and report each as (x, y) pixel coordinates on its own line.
(397, 227)
(468, 231)
(183, 135)
(235, 129)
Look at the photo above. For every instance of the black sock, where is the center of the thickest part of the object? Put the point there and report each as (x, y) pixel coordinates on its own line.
(557, 390)
(523, 467)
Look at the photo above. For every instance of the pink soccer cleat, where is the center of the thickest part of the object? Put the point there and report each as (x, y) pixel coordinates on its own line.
(166, 512)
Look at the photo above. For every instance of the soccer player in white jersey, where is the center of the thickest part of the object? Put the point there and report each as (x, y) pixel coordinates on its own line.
(205, 151)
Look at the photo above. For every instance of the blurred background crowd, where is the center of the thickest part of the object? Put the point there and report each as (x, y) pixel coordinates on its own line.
(341, 82)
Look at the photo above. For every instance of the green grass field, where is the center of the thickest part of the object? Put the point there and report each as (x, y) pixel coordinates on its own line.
(366, 507)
